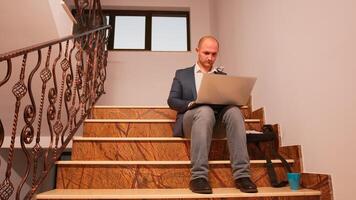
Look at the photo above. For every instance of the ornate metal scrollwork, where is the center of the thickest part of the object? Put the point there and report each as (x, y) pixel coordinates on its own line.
(60, 89)
(8, 72)
(19, 90)
(2, 134)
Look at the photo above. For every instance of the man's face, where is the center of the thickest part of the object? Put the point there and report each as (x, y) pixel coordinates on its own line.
(207, 53)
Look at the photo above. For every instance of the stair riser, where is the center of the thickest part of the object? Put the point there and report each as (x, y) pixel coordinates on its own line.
(149, 176)
(143, 113)
(134, 113)
(295, 153)
(139, 129)
(151, 150)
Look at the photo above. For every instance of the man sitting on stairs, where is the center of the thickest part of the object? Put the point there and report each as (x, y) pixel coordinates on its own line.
(198, 122)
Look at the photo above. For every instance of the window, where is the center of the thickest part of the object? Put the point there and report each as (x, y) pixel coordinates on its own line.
(169, 34)
(149, 30)
(129, 32)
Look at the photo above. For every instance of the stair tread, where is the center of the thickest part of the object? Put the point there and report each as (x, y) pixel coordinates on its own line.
(80, 138)
(169, 193)
(114, 139)
(134, 107)
(144, 162)
(148, 120)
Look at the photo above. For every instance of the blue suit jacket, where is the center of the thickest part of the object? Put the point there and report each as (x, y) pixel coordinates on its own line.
(182, 92)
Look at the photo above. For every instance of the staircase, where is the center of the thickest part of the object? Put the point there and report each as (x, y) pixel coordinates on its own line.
(129, 153)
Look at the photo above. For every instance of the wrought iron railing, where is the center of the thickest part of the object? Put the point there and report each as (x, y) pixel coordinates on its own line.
(52, 95)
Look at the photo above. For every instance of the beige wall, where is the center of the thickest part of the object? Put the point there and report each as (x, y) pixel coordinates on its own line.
(303, 53)
(144, 78)
(25, 23)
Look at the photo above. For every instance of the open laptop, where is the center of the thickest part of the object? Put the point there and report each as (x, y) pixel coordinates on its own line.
(225, 90)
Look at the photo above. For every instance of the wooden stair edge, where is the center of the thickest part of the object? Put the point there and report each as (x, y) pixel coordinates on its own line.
(145, 162)
(114, 139)
(132, 106)
(139, 107)
(124, 139)
(170, 193)
(144, 120)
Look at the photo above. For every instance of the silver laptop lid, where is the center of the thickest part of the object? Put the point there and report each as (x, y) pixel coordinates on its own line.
(225, 90)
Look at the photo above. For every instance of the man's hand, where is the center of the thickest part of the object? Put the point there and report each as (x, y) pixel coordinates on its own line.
(192, 105)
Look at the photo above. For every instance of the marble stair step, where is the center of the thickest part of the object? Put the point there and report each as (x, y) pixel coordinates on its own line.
(143, 112)
(142, 127)
(265, 193)
(150, 174)
(148, 148)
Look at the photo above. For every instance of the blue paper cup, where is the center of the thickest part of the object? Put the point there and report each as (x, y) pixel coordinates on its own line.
(294, 180)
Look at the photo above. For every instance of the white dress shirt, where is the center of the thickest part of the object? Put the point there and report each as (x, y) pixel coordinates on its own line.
(198, 75)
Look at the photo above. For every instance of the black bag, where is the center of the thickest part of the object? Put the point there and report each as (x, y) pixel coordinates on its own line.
(269, 137)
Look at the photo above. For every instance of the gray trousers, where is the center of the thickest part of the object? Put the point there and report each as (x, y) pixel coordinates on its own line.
(201, 124)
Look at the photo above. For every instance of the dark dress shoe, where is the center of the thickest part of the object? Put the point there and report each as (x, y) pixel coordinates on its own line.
(200, 185)
(245, 185)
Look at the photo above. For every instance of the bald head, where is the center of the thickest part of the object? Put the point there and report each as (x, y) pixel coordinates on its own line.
(207, 51)
(207, 37)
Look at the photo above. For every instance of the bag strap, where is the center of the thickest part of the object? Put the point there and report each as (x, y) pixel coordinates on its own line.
(267, 129)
